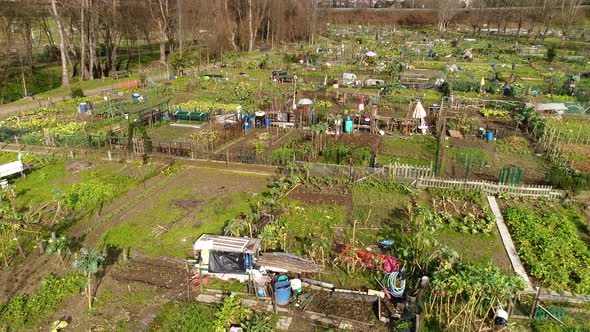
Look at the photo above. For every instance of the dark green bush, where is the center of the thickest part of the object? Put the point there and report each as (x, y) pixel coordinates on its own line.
(551, 54)
(568, 179)
(77, 93)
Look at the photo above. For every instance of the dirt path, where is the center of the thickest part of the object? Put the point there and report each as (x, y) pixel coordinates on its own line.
(25, 277)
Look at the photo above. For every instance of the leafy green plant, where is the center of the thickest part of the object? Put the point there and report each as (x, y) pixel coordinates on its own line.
(172, 169)
(232, 312)
(22, 312)
(462, 294)
(59, 246)
(91, 194)
(260, 323)
(88, 263)
(549, 245)
(487, 112)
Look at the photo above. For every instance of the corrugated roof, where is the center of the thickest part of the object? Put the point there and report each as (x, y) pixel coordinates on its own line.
(228, 243)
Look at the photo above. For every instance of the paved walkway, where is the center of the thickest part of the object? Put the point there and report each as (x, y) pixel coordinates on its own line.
(508, 244)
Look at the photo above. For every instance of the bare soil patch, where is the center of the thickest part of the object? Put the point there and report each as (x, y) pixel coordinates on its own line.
(79, 165)
(361, 311)
(325, 196)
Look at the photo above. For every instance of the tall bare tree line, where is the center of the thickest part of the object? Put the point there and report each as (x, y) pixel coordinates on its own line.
(87, 35)
(532, 18)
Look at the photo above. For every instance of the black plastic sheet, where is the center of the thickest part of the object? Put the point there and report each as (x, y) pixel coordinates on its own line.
(226, 262)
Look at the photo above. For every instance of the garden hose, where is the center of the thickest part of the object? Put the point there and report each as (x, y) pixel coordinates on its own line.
(395, 282)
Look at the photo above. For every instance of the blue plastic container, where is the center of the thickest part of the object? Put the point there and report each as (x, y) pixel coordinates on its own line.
(83, 108)
(348, 125)
(267, 122)
(489, 136)
(282, 292)
(136, 97)
(247, 125)
(247, 261)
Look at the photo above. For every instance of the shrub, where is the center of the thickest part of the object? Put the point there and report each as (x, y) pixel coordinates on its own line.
(76, 93)
(346, 155)
(568, 179)
(551, 54)
(23, 311)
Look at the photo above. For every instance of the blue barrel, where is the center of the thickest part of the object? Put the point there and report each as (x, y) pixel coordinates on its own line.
(83, 108)
(247, 261)
(136, 97)
(282, 292)
(348, 125)
(247, 125)
(267, 122)
(489, 136)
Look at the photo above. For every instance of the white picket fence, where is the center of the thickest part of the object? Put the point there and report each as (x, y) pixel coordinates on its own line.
(490, 188)
(393, 172)
(423, 177)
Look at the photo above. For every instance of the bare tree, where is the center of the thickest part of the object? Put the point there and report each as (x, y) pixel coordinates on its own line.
(446, 10)
(65, 77)
(568, 12)
(161, 12)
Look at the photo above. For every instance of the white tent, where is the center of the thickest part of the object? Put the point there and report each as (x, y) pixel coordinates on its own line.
(419, 112)
(305, 101)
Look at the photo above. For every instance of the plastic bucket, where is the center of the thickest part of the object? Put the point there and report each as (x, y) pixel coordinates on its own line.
(489, 136)
(267, 122)
(83, 107)
(282, 292)
(296, 285)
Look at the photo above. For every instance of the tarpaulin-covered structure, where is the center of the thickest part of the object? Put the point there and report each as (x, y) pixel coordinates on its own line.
(226, 254)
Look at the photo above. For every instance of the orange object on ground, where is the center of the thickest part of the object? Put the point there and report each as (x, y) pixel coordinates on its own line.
(128, 84)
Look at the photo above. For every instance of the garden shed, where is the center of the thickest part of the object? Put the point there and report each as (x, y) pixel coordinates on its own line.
(226, 254)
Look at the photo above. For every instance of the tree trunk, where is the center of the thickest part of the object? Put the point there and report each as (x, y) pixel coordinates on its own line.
(162, 31)
(83, 71)
(232, 35)
(65, 79)
(251, 34)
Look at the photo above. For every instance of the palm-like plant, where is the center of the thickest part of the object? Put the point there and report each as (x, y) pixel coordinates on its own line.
(235, 227)
(89, 262)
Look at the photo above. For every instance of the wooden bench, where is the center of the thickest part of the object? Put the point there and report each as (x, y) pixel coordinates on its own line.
(120, 74)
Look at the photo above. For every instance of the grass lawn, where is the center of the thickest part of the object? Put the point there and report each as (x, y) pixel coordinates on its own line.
(477, 248)
(417, 150)
(182, 230)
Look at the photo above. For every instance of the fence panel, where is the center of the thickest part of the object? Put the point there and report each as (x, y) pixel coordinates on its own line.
(490, 188)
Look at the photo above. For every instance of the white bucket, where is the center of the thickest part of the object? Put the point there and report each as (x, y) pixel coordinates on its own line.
(296, 285)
